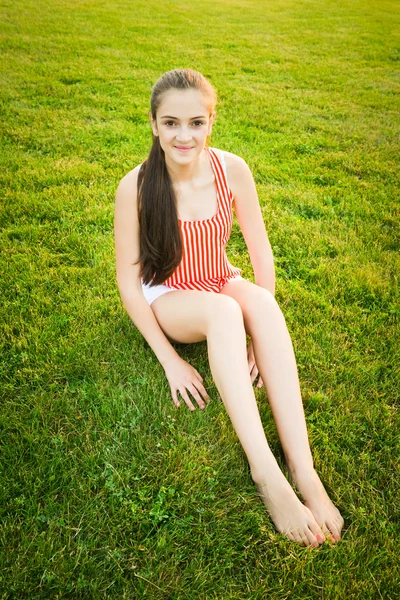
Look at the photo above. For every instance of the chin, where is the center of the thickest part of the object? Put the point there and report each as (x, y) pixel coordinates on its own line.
(179, 157)
(176, 155)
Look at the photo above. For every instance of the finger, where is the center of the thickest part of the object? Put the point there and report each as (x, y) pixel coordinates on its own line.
(186, 398)
(200, 388)
(253, 374)
(250, 358)
(260, 382)
(199, 377)
(252, 367)
(196, 396)
(175, 397)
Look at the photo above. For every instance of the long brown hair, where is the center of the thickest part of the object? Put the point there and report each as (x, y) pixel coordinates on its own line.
(160, 238)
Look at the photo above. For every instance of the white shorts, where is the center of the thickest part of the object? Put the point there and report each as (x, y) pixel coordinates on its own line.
(153, 292)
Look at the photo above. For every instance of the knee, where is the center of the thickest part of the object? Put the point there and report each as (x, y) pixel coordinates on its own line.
(261, 303)
(224, 312)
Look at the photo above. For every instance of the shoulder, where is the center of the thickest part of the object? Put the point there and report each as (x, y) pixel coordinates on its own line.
(234, 162)
(237, 171)
(127, 187)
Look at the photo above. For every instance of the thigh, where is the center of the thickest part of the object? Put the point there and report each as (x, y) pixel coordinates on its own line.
(185, 315)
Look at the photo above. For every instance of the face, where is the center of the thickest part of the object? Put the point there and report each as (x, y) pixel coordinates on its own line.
(183, 123)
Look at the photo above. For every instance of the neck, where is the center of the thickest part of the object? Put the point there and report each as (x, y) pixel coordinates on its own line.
(187, 172)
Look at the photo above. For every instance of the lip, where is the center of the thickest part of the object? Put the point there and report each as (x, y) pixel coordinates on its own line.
(183, 148)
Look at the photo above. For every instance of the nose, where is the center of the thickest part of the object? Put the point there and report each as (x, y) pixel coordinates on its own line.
(183, 134)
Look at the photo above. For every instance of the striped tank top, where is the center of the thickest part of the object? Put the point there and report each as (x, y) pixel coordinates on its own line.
(205, 265)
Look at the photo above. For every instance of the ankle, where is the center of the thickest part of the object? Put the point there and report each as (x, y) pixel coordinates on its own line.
(301, 469)
(272, 475)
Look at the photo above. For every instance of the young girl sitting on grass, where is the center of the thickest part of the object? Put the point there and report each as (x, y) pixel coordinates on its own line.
(173, 218)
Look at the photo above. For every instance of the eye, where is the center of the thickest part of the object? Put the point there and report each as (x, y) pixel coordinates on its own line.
(169, 123)
(198, 123)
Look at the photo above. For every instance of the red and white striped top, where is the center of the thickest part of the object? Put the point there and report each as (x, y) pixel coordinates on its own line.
(204, 264)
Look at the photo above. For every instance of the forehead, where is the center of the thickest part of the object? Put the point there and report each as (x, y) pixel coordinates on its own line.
(183, 104)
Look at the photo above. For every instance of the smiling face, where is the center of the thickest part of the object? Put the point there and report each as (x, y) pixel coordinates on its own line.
(183, 123)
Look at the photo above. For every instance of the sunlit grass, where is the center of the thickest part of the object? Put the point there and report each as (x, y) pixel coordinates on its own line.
(107, 490)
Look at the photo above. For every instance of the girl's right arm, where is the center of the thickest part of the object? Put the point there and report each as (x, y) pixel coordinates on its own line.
(181, 376)
(126, 233)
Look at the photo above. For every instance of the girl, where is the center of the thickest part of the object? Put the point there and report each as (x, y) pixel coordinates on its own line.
(173, 217)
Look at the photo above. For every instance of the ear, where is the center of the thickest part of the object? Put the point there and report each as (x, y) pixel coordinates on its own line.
(153, 124)
(210, 124)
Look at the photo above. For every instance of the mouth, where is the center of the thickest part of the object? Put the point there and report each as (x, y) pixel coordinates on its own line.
(183, 148)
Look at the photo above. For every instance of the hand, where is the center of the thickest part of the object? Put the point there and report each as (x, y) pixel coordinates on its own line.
(252, 366)
(182, 377)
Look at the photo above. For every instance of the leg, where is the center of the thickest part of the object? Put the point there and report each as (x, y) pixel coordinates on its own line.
(191, 316)
(277, 365)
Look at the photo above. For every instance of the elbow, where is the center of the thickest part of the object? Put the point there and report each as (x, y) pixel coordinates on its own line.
(130, 293)
(129, 289)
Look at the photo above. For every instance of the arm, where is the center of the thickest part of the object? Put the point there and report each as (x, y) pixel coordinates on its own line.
(126, 233)
(248, 212)
(181, 376)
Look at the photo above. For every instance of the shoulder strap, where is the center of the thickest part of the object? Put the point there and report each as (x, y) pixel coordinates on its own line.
(221, 157)
(223, 163)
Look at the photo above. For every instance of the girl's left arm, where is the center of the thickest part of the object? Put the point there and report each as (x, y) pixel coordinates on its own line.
(248, 212)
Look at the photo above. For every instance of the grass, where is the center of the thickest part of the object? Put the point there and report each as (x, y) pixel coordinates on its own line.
(108, 491)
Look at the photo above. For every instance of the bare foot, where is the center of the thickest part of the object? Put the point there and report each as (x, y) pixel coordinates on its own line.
(317, 500)
(289, 515)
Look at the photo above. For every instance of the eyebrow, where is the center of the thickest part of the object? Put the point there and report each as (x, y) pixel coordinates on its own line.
(191, 119)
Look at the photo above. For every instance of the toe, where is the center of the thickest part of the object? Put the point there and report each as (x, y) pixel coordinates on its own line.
(334, 529)
(298, 538)
(316, 530)
(326, 532)
(304, 540)
(340, 523)
(312, 540)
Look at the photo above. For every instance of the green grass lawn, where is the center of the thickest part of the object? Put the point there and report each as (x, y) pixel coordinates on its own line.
(107, 490)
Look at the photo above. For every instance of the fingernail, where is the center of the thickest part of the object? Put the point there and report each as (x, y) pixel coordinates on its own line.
(320, 537)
